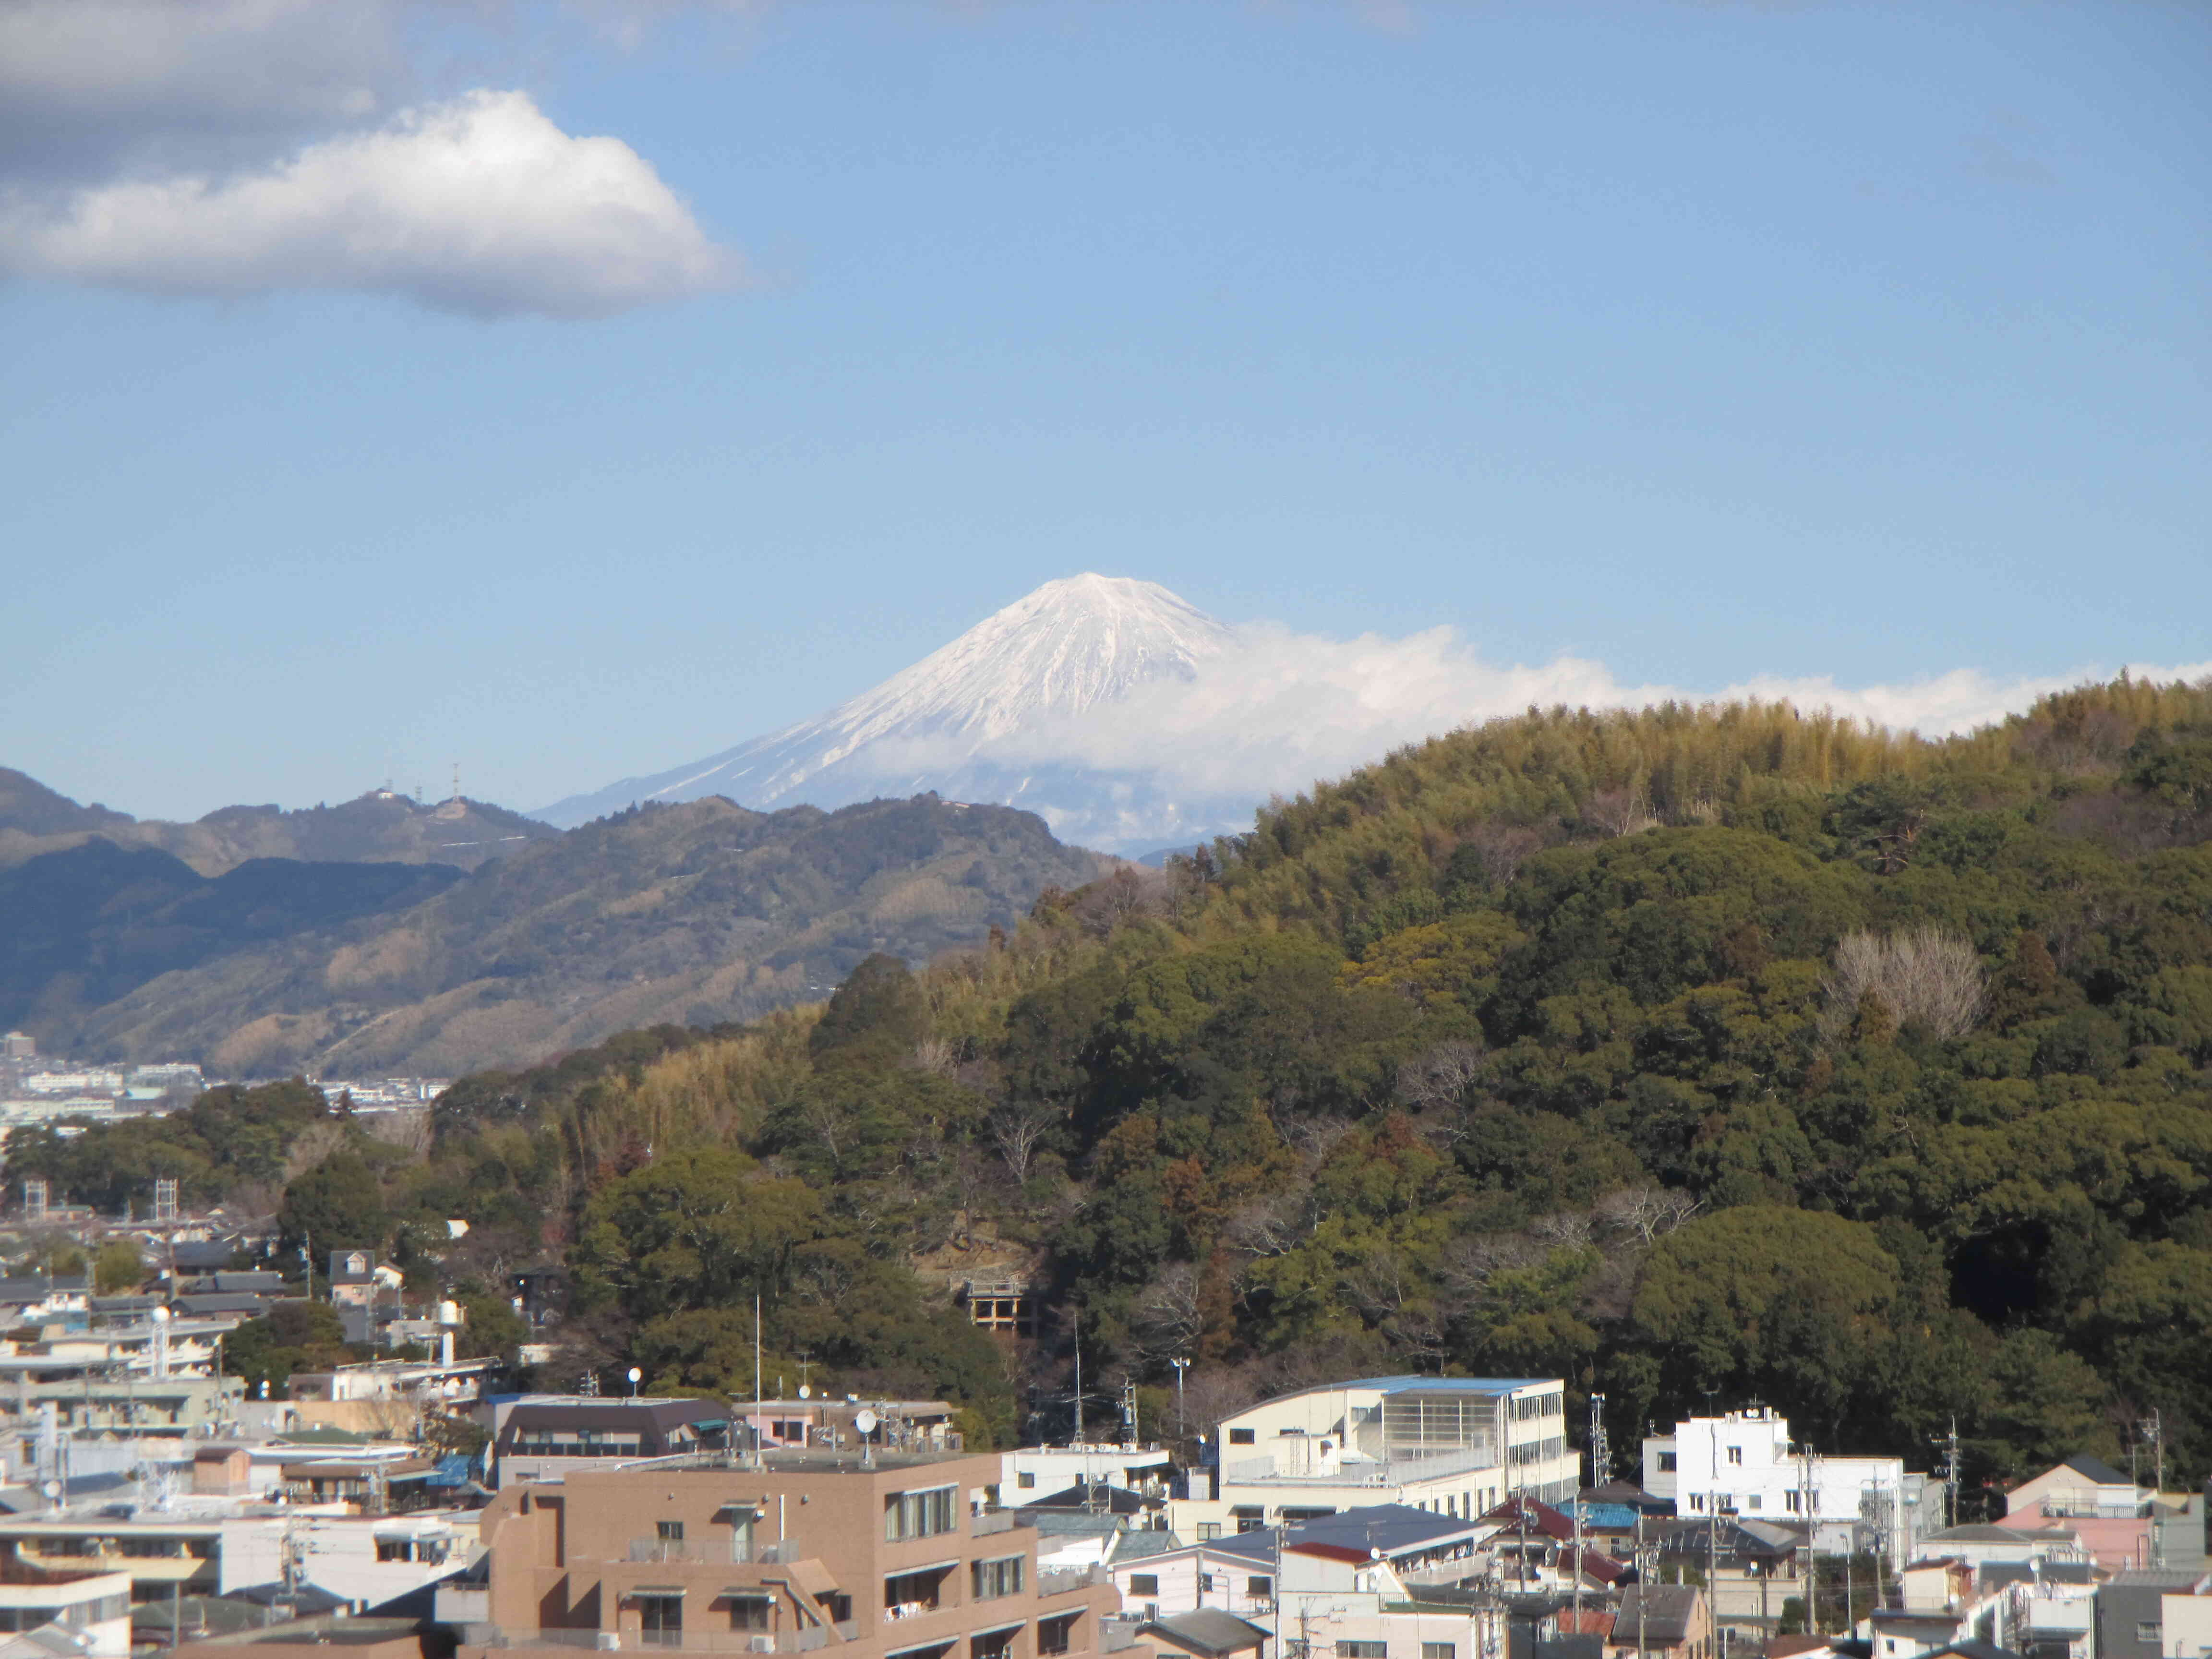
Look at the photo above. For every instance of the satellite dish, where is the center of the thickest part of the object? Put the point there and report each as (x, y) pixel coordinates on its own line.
(806, 1392)
(865, 1421)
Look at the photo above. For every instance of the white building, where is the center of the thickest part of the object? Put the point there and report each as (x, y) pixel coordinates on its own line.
(1742, 1463)
(366, 1560)
(1450, 1445)
(93, 1606)
(1035, 1471)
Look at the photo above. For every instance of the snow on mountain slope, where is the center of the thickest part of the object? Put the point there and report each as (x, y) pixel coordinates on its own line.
(967, 720)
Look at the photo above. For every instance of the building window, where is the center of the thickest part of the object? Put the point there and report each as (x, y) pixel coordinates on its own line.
(661, 1620)
(994, 1644)
(1056, 1634)
(1026, 1479)
(670, 1532)
(750, 1613)
(909, 1593)
(1698, 1502)
(1439, 1650)
(1144, 1583)
(1793, 1501)
(1755, 1502)
(1242, 1437)
(919, 1514)
(989, 1580)
(1208, 1531)
(1365, 1649)
(1259, 1584)
(2150, 1630)
(1735, 1454)
(1666, 1463)
(1205, 1584)
(387, 1549)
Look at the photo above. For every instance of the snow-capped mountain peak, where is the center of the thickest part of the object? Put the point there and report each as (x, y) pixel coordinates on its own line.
(1069, 646)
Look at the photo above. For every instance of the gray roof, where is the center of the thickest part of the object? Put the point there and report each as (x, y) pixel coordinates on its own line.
(2180, 1579)
(1209, 1630)
(1666, 1611)
(1069, 1523)
(2097, 1469)
(1142, 1545)
(252, 1306)
(1393, 1529)
(36, 1287)
(1982, 1534)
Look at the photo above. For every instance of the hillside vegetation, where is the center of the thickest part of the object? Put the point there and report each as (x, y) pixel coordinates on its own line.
(1724, 1049)
(700, 913)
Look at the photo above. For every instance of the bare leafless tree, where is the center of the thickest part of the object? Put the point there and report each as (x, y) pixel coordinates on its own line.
(1015, 1133)
(1312, 1136)
(1502, 848)
(1928, 977)
(1274, 1225)
(1564, 1229)
(1441, 1075)
(1620, 812)
(1467, 1265)
(1646, 1213)
(936, 1055)
(1169, 1319)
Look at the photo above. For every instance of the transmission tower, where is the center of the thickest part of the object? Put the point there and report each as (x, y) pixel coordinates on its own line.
(1600, 1451)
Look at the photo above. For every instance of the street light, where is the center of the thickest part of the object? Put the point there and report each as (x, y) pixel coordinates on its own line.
(636, 1377)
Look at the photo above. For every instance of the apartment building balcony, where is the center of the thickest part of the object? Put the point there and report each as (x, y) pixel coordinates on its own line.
(1270, 1471)
(682, 1641)
(709, 1552)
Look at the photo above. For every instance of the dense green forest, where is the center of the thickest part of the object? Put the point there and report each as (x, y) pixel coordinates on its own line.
(1725, 1051)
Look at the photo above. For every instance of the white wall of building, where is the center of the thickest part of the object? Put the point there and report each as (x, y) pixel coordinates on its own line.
(1741, 1463)
(364, 1558)
(1322, 1451)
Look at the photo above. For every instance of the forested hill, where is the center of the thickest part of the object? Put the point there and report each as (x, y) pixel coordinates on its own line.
(1686, 1050)
(704, 913)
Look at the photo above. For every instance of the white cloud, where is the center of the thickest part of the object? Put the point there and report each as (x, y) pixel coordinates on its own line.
(1279, 710)
(480, 205)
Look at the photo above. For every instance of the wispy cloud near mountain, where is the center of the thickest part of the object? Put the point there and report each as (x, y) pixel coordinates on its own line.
(1127, 718)
(1276, 710)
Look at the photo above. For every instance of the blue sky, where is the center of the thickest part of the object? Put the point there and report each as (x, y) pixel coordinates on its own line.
(1706, 343)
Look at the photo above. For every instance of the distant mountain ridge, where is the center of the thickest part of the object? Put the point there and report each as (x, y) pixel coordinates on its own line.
(379, 827)
(87, 926)
(972, 721)
(695, 913)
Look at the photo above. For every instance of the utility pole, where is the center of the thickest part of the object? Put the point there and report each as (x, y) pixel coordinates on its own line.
(1808, 1500)
(1183, 1423)
(2152, 1429)
(1643, 1583)
(1713, 1573)
(1951, 1475)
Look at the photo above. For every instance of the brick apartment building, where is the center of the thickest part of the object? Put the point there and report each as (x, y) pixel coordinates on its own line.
(901, 1560)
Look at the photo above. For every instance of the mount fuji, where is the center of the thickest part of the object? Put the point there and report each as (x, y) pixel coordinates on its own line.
(977, 721)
